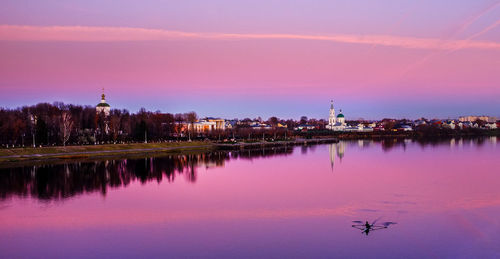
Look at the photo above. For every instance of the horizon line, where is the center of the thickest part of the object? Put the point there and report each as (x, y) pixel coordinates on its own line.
(258, 116)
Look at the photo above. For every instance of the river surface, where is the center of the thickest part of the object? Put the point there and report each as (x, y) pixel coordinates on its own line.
(295, 202)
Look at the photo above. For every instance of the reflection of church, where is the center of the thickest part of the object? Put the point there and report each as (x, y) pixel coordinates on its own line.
(336, 123)
(336, 150)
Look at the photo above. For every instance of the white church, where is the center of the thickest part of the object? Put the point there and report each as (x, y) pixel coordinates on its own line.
(336, 123)
(103, 106)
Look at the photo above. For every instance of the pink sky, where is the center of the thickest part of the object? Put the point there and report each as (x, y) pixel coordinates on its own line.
(375, 59)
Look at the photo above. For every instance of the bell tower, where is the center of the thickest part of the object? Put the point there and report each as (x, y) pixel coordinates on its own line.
(103, 106)
(331, 118)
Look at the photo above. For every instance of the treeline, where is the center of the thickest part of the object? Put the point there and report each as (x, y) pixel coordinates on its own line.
(60, 124)
(47, 124)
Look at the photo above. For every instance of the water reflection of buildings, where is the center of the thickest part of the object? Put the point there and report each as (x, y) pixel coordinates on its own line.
(64, 180)
(389, 144)
(336, 150)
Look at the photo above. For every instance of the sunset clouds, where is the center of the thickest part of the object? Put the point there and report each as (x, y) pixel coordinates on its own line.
(251, 58)
(112, 34)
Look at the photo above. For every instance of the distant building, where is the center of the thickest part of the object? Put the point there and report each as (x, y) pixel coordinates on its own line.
(281, 125)
(207, 125)
(336, 123)
(361, 127)
(449, 124)
(103, 106)
(475, 118)
(261, 126)
(231, 123)
(405, 128)
(491, 125)
(304, 127)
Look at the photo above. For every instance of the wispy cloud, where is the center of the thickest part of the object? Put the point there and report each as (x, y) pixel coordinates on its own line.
(110, 34)
(469, 39)
(474, 18)
(463, 43)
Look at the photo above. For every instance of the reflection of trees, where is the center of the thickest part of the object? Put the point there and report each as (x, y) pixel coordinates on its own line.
(60, 181)
(388, 144)
(391, 143)
(305, 148)
(262, 152)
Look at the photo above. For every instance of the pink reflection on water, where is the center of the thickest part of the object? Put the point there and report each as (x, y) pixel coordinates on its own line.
(445, 199)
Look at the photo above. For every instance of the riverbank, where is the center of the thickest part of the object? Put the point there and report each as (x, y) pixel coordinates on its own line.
(113, 150)
(110, 150)
(185, 147)
(73, 152)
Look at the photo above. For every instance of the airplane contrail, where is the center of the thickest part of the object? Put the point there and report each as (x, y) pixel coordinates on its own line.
(475, 18)
(464, 26)
(483, 31)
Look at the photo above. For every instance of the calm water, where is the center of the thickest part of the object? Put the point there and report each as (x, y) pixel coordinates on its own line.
(276, 203)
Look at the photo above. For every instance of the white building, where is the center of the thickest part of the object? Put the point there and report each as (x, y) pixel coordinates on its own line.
(103, 106)
(336, 123)
(305, 127)
(361, 127)
(475, 118)
(491, 126)
(449, 124)
(207, 125)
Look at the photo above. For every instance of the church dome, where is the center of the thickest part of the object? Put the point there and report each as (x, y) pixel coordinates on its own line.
(103, 102)
(340, 115)
(103, 105)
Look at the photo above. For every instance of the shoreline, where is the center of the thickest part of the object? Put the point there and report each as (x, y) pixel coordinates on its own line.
(97, 151)
(59, 153)
(114, 150)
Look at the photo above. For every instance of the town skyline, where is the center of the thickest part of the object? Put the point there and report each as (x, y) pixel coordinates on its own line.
(201, 115)
(270, 113)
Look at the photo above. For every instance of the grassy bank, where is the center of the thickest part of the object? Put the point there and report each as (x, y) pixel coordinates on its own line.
(14, 155)
(70, 152)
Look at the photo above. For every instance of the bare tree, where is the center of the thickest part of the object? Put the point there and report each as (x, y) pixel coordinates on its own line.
(179, 119)
(115, 123)
(273, 121)
(191, 117)
(66, 126)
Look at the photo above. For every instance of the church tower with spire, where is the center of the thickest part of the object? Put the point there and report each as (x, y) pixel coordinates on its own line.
(103, 106)
(336, 123)
(331, 118)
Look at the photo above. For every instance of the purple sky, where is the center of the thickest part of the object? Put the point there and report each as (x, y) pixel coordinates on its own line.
(255, 58)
